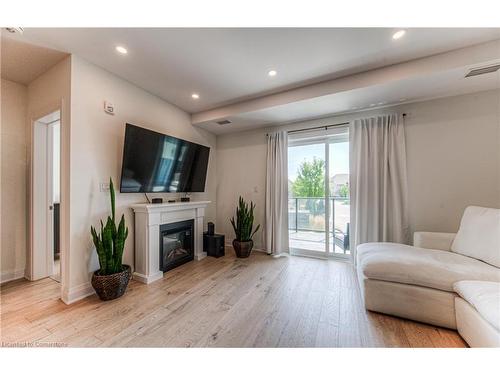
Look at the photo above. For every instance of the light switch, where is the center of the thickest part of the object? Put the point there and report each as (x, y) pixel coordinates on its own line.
(104, 187)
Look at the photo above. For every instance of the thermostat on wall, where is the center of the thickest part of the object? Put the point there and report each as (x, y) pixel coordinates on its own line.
(109, 108)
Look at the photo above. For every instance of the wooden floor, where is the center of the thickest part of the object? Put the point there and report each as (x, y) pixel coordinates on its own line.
(227, 302)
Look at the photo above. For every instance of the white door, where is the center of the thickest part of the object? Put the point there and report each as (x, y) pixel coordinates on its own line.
(42, 245)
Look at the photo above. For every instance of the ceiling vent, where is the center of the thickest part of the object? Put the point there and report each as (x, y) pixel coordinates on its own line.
(14, 30)
(223, 122)
(485, 70)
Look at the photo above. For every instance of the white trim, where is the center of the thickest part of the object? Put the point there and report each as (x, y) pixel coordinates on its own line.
(39, 205)
(77, 293)
(326, 137)
(321, 255)
(327, 200)
(11, 275)
(147, 279)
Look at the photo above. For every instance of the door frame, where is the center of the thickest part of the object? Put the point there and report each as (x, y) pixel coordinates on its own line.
(324, 137)
(64, 180)
(41, 263)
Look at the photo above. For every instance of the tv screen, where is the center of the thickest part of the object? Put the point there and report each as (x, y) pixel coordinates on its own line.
(158, 163)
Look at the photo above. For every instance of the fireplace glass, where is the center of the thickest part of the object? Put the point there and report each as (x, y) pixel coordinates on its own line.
(176, 244)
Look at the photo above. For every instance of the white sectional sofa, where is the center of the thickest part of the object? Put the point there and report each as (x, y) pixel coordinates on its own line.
(478, 312)
(421, 282)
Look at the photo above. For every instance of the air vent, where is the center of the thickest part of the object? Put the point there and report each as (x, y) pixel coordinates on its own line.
(223, 122)
(485, 70)
(14, 30)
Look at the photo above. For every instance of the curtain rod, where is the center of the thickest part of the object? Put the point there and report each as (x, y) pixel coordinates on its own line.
(321, 127)
(316, 127)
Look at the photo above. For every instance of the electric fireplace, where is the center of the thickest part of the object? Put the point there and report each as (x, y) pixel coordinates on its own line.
(176, 244)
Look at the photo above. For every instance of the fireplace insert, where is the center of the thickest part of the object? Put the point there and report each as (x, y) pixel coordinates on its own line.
(176, 244)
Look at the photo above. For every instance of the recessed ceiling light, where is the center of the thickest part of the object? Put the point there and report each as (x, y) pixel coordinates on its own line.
(372, 105)
(272, 73)
(195, 96)
(121, 49)
(398, 34)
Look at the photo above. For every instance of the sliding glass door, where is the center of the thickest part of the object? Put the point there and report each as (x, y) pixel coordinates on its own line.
(339, 204)
(318, 193)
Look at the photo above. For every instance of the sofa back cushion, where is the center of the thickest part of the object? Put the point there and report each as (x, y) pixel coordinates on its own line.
(479, 235)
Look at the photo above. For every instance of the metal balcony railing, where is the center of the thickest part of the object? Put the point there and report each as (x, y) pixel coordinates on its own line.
(308, 214)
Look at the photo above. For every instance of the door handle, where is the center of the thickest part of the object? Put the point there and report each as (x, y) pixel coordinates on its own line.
(51, 207)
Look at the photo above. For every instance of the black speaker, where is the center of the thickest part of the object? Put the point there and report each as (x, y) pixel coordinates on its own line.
(211, 228)
(214, 245)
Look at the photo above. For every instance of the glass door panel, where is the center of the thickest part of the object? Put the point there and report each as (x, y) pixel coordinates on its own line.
(307, 197)
(339, 203)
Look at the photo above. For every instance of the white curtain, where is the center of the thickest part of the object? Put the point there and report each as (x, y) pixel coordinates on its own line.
(378, 184)
(276, 231)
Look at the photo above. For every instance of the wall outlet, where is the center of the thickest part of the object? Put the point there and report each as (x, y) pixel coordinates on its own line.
(104, 187)
(109, 108)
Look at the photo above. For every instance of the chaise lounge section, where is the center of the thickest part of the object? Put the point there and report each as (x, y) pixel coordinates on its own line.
(421, 282)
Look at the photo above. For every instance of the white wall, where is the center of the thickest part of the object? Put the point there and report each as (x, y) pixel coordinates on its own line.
(241, 169)
(96, 154)
(453, 159)
(14, 104)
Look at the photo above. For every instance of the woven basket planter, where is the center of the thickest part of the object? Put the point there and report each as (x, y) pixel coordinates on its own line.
(109, 287)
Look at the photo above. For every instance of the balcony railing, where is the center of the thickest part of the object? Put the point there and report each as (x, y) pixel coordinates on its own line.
(307, 214)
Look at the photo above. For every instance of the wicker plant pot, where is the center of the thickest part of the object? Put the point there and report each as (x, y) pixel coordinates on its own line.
(109, 287)
(242, 249)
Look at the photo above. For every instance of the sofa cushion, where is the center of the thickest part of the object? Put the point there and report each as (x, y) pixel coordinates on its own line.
(417, 266)
(479, 235)
(484, 296)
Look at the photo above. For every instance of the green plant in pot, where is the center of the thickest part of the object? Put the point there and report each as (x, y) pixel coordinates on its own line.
(243, 229)
(112, 278)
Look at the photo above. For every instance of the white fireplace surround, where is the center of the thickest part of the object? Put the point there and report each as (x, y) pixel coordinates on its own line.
(148, 218)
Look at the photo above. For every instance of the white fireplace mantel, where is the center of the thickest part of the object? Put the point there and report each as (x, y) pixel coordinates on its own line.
(148, 218)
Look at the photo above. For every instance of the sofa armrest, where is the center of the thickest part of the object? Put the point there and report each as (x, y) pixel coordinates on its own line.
(433, 240)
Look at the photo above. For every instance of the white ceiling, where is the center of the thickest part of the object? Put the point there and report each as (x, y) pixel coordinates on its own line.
(421, 79)
(231, 65)
(449, 83)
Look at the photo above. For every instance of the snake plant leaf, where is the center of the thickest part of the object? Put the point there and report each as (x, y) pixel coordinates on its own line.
(243, 224)
(110, 242)
(255, 231)
(112, 196)
(99, 248)
(120, 243)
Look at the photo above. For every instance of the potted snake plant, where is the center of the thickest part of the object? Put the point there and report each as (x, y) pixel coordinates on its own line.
(111, 279)
(243, 226)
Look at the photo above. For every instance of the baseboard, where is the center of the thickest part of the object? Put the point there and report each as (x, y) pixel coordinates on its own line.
(77, 293)
(10, 275)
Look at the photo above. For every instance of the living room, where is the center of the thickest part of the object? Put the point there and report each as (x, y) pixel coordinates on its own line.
(200, 187)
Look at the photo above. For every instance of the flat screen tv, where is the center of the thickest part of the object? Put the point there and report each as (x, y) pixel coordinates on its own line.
(158, 163)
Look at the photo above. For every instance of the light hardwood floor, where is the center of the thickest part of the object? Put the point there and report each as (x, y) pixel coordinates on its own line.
(227, 302)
